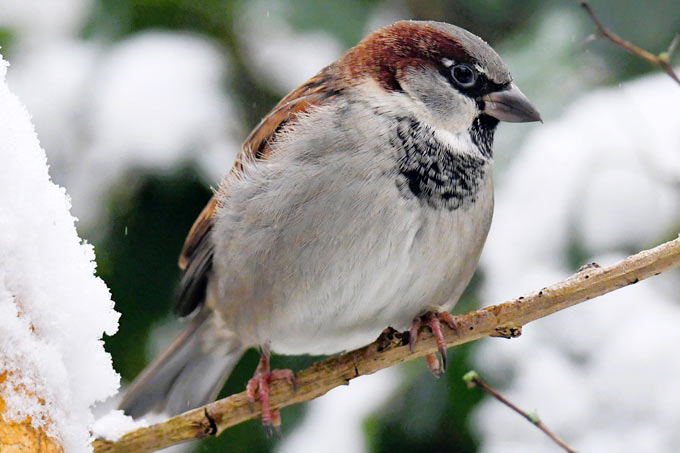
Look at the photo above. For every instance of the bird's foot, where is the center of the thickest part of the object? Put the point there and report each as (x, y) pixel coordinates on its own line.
(434, 322)
(258, 385)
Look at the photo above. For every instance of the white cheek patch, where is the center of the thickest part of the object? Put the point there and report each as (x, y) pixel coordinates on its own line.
(461, 142)
(438, 102)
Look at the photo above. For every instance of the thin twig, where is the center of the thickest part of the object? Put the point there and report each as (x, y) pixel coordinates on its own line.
(662, 61)
(472, 379)
(391, 348)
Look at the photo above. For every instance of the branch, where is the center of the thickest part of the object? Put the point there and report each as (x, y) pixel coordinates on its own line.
(504, 320)
(472, 379)
(662, 61)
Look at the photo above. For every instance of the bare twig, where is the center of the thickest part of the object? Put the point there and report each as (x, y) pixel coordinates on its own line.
(472, 379)
(391, 348)
(662, 61)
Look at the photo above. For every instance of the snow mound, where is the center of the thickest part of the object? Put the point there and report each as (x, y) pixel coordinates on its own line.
(115, 425)
(53, 309)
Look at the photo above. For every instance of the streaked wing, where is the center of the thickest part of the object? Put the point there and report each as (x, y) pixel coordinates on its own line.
(197, 254)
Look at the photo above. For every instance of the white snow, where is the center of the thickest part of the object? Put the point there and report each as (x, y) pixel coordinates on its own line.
(115, 424)
(601, 375)
(53, 310)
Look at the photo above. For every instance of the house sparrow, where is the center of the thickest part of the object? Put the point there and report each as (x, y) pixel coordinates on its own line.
(361, 201)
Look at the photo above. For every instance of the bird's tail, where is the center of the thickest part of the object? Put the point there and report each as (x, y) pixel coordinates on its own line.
(189, 374)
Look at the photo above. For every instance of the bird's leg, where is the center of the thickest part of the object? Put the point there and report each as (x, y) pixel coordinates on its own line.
(258, 385)
(434, 322)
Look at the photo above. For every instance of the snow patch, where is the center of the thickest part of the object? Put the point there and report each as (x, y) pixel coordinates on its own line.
(115, 424)
(53, 310)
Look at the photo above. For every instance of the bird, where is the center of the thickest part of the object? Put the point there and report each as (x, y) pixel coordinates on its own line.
(361, 201)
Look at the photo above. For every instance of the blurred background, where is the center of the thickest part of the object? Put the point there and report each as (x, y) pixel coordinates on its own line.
(142, 105)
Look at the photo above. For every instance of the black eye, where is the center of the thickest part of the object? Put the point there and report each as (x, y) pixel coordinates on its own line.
(464, 75)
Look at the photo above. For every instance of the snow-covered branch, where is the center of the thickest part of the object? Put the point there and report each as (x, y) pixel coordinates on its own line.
(504, 320)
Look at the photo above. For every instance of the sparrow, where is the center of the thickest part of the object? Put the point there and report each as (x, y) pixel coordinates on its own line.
(361, 201)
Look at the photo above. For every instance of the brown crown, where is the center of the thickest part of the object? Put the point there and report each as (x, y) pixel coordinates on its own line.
(384, 52)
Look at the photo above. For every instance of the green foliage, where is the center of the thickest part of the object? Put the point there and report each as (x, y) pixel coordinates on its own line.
(346, 20)
(149, 216)
(427, 414)
(118, 19)
(495, 20)
(6, 40)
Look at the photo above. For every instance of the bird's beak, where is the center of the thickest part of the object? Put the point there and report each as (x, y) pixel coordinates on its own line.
(510, 105)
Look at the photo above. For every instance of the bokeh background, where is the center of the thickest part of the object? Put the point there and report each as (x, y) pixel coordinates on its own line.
(142, 105)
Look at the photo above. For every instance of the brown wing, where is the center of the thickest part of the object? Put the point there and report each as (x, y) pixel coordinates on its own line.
(196, 257)
(195, 261)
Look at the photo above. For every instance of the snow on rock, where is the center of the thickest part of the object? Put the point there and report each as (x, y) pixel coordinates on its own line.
(53, 310)
(602, 375)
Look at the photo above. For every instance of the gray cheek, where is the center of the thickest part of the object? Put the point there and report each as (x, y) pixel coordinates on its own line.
(449, 108)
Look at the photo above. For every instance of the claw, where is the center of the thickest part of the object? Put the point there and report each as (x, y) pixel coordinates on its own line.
(258, 386)
(268, 430)
(433, 364)
(251, 390)
(449, 319)
(276, 423)
(284, 374)
(442, 354)
(434, 322)
(276, 431)
(413, 333)
(436, 327)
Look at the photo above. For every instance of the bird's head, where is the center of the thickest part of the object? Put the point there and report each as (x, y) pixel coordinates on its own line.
(448, 73)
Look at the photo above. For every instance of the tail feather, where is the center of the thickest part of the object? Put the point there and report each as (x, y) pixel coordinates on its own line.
(189, 374)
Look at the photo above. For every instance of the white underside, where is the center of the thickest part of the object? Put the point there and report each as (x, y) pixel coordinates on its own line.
(422, 263)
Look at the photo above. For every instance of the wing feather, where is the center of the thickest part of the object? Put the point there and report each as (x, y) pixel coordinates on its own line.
(196, 257)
